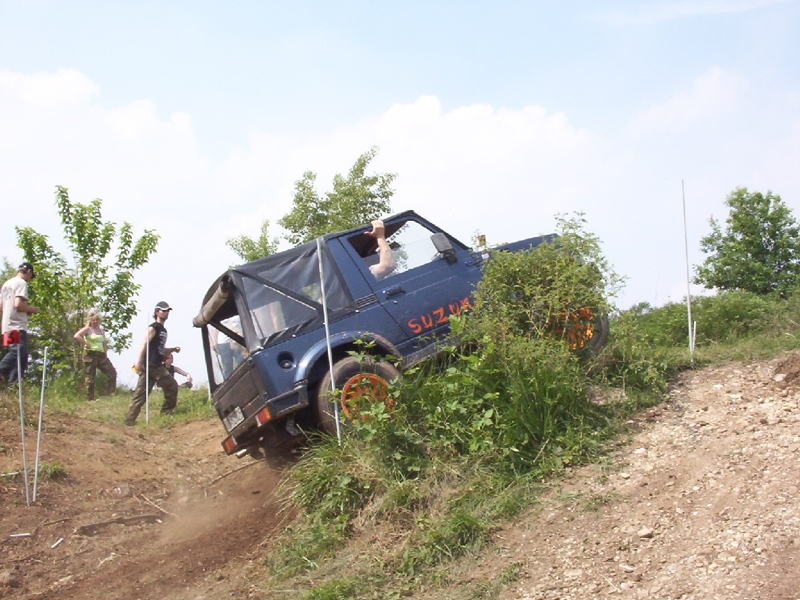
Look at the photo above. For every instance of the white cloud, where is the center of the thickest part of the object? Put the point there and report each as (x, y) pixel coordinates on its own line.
(714, 95)
(65, 87)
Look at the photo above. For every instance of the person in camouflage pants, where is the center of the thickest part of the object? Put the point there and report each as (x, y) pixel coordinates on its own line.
(154, 346)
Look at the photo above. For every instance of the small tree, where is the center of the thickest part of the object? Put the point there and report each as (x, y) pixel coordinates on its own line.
(96, 279)
(536, 292)
(355, 200)
(759, 251)
(249, 249)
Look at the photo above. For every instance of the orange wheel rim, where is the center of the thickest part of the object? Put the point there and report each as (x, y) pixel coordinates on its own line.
(577, 327)
(363, 390)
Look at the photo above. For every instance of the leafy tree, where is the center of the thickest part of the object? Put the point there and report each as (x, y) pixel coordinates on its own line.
(356, 199)
(248, 248)
(96, 279)
(759, 251)
(7, 270)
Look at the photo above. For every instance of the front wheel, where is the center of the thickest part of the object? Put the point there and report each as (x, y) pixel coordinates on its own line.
(358, 382)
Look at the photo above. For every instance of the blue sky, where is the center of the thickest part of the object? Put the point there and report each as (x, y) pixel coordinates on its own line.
(195, 118)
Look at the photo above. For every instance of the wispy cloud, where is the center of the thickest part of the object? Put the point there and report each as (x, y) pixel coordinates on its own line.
(713, 95)
(669, 11)
(44, 90)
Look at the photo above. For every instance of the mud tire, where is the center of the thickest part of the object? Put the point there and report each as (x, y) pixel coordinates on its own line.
(346, 373)
(600, 335)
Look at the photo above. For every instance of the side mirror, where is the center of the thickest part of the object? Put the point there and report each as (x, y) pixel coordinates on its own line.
(444, 247)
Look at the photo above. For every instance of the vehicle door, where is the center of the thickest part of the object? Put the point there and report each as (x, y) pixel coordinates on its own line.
(427, 285)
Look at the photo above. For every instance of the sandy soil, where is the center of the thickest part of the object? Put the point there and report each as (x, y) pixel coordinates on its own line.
(161, 515)
(702, 504)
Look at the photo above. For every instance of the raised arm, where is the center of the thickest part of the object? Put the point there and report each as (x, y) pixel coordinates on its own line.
(386, 263)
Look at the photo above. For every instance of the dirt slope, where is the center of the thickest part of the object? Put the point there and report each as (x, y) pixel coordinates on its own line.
(140, 516)
(702, 504)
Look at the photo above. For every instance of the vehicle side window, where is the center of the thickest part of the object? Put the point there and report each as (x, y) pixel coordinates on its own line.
(410, 243)
(273, 312)
(229, 353)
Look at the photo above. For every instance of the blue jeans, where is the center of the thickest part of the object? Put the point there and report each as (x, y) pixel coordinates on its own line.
(8, 366)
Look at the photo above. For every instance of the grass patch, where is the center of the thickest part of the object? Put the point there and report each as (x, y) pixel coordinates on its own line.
(52, 471)
(63, 398)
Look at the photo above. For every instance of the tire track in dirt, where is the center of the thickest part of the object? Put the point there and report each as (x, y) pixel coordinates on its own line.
(214, 526)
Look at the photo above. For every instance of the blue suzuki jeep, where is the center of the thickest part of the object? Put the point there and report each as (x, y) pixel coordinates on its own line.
(281, 332)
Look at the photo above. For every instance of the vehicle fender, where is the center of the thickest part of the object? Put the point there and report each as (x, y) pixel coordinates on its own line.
(320, 349)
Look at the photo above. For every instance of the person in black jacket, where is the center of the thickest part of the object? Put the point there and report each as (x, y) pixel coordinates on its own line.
(154, 345)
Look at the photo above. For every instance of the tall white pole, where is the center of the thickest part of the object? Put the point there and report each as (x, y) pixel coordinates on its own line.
(688, 279)
(328, 338)
(39, 434)
(22, 423)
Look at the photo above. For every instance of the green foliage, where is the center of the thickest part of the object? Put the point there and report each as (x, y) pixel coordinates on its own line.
(98, 278)
(249, 249)
(356, 199)
(759, 250)
(53, 470)
(333, 480)
(538, 292)
(504, 400)
(724, 317)
(303, 546)
(7, 270)
(471, 432)
(454, 534)
(338, 589)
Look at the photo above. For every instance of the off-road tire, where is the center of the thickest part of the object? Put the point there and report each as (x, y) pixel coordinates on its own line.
(348, 370)
(600, 334)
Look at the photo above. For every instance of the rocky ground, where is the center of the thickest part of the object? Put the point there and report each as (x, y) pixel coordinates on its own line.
(702, 504)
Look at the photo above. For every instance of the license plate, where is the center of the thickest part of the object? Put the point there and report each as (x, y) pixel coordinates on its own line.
(233, 419)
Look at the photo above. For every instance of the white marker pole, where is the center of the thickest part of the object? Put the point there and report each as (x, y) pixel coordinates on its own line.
(22, 424)
(39, 434)
(688, 281)
(328, 338)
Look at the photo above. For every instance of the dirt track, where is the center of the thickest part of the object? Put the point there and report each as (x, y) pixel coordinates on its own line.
(702, 504)
(140, 516)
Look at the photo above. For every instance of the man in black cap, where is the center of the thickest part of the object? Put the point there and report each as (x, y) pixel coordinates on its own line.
(15, 308)
(154, 346)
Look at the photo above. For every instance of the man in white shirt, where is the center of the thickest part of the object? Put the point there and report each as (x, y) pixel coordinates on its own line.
(15, 309)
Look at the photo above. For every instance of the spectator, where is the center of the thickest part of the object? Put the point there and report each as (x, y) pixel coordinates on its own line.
(15, 308)
(93, 339)
(168, 362)
(154, 345)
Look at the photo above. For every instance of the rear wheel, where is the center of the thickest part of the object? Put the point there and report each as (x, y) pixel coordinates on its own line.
(359, 382)
(599, 332)
(583, 329)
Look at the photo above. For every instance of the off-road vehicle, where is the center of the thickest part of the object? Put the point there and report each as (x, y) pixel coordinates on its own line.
(277, 330)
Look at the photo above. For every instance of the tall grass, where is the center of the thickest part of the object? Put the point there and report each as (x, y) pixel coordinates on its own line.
(63, 396)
